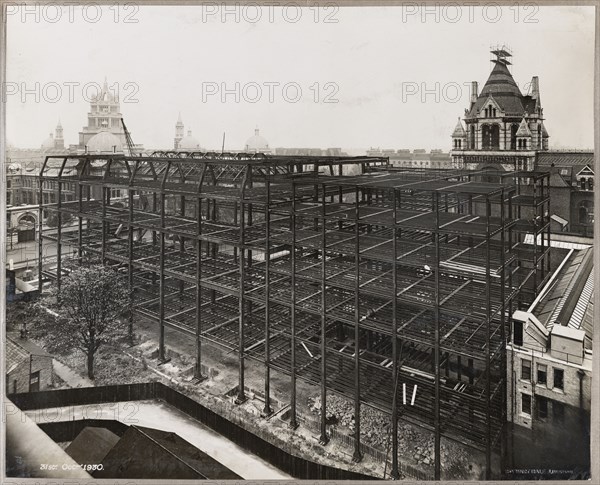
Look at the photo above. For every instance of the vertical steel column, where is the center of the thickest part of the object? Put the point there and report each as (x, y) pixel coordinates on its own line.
(161, 270)
(535, 241)
(293, 422)
(198, 367)
(267, 409)
(436, 344)
(323, 439)
(41, 227)
(103, 248)
(130, 255)
(182, 239)
(502, 327)
(241, 397)
(59, 227)
(80, 217)
(488, 282)
(357, 453)
(394, 473)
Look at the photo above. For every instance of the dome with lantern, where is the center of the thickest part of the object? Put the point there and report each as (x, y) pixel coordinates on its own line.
(257, 143)
(48, 143)
(189, 142)
(104, 142)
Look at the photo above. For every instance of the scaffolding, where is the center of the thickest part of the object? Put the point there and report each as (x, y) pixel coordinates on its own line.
(367, 281)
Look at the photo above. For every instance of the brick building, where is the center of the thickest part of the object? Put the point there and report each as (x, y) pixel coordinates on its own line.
(504, 130)
(28, 367)
(550, 358)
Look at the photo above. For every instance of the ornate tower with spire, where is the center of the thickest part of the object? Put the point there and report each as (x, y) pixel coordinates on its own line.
(504, 128)
(59, 141)
(105, 115)
(178, 132)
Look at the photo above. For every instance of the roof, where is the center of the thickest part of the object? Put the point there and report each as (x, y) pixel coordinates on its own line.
(14, 356)
(155, 454)
(256, 142)
(459, 131)
(91, 445)
(502, 87)
(569, 294)
(568, 332)
(27, 346)
(556, 180)
(104, 142)
(565, 158)
(523, 129)
(48, 142)
(583, 313)
(189, 142)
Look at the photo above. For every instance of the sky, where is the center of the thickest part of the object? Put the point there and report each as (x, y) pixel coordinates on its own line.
(350, 77)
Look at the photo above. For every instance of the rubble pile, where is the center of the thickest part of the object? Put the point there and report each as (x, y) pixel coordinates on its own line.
(374, 431)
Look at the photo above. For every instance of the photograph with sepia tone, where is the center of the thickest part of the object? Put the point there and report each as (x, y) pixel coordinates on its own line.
(300, 241)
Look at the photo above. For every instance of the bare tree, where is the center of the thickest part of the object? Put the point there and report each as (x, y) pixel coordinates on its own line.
(92, 300)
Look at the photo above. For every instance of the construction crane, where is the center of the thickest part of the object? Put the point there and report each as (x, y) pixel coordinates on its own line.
(130, 145)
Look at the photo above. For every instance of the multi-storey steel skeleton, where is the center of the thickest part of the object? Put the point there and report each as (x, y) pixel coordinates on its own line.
(365, 284)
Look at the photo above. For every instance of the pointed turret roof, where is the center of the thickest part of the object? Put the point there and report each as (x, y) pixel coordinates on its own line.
(459, 131)
(523, 129)
(503, 88)
(544, 131)
(179, 121)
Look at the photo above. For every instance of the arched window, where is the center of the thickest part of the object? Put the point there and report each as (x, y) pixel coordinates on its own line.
(586, 212)
(472, 137)
(539, 136)
(459, 143)
(27, 219)
(582, 182)
(495, 137)
(591, 183)
(494, 112)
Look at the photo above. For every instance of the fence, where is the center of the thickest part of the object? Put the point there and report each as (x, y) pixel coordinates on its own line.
(228, 426)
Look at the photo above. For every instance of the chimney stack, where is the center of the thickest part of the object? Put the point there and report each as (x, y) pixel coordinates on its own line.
(474, 91)
(535, 87)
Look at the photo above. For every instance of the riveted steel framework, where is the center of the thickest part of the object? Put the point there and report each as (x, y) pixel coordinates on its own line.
(367, 281)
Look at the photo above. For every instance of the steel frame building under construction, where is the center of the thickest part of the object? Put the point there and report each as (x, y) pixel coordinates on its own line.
(367, 281)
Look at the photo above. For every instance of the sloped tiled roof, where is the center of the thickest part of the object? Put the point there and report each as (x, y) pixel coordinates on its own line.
(505, 92)
(557, 180)
(459, 131)
(565, 158)
(15, 355)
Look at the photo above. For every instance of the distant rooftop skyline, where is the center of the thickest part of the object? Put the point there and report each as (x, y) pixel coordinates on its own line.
(400, 81)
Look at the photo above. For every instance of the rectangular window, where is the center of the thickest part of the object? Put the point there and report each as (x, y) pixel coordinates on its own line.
(526, 369)
(526, 403)
(518, 331)
(559, 377)
(542, 407)
(558, 411)
(542, 374)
